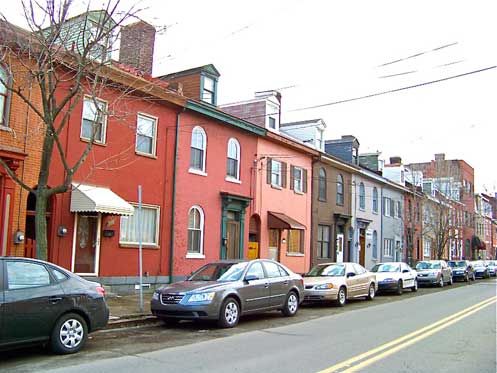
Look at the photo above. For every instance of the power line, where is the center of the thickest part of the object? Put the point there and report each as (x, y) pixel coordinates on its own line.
(418, 54)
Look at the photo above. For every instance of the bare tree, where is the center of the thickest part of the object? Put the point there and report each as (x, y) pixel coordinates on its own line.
(65, 59)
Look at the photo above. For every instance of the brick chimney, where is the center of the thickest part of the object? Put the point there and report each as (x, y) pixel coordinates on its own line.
(137, 46)
(396, 160)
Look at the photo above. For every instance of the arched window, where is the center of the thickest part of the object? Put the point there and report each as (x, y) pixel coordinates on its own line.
(362, 197)
(233, 159)
(5, 82)
(195, 230)
(375, 244)
(322, 185)
(339, 189)
(198, 149)
(375, 199)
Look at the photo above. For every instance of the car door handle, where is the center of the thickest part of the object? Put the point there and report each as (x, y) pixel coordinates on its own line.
(286, 282)
(266, 285)
(54, 300)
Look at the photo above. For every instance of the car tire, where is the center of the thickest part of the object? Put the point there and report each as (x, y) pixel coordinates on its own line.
(371, 292)
(415, 287)
(400, 285)
(441, 282)
(341, 297)
(69, 334)
(229, 315)
(291, 304)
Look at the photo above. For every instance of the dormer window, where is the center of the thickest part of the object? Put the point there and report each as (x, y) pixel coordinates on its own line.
(272, 123)
(208, 90)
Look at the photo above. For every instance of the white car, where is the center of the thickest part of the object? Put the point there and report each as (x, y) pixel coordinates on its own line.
(492, 267)
(395, 276)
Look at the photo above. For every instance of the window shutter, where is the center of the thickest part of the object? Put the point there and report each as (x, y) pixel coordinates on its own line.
(268, 170)
(292, 177)
(283, 174)
(304, 180)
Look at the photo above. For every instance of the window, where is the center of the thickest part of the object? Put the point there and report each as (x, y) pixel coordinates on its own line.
(426, 248)
(339, 189)
(22, 275)
(276, 173)
(273, 270)
(149, 227)
(209, 90)
(362, 197)
(272, 123)
(297, 176)
(146, 134)
(295, 241)
(409, 210)
(375, 244)
(375, 200)
(322, 185)
(198, 146)
(4, 96)
(389, 207)
(195, 230)
(256, 270)
(388, 247)
(323, 241)
(399, 210)
(94, 120)
(233, 159)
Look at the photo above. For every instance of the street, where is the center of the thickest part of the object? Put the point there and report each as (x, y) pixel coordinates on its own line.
(442, 330)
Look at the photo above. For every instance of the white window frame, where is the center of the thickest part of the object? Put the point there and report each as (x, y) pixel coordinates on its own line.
(91, 100)
(155, 244)
(362, 196)
(200, 254)
(154, 134)
(233, 144)
(212, 92)
(375, 200)
(277, 173)
(388, 247)
(387, 203)
(298, 184)
(201, 131)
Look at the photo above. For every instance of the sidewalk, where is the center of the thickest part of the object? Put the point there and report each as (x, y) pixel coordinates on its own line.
(125, 311)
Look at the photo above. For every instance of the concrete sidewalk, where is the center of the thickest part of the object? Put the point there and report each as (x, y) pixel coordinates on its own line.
(125, 310)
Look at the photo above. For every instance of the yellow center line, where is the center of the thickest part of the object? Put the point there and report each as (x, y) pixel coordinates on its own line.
(437, 325)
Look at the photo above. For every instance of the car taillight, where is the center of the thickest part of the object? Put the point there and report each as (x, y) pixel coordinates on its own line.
(100, 290)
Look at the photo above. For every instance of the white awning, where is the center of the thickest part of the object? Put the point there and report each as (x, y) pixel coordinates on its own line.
(89, 198)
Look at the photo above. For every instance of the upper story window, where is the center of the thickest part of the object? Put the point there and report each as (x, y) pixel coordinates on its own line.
(272, 122)
(362, 197)
(298, 179)
(233, 159)
(94, 120)
(399, 210)
(339, 189)
(322, 185)
(195, 230)
(276, 173)
(409, 211)
(146, 134)
(354, 156)
(375, 200)
(4, 96)
(209, 90)
(198, 148)
(388, 207)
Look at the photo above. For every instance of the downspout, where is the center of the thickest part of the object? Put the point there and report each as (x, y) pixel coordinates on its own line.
(173, 202)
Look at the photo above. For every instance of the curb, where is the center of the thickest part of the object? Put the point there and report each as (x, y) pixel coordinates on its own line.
(131, 320)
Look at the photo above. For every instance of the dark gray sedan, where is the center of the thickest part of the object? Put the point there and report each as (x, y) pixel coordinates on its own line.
(41, 302)
(225, 290)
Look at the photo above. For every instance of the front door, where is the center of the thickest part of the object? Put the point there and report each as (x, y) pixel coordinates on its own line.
(233, 239)
(362, 247)
(274, 244)
(86, 245)
(339, 247)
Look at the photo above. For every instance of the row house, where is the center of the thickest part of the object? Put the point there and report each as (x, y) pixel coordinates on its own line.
(492, 201)
(484, 226)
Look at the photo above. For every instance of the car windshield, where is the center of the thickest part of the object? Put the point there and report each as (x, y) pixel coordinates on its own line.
(427, 265)
(491, 263)
(478, 264)
(386, 268)
(327, 270)
(223, 272)
(458, 264)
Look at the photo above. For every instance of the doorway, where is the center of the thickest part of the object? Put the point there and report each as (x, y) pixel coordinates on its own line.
(274, 244)
(232, 237)
(86, 245)
(339, 247)
(362, 247)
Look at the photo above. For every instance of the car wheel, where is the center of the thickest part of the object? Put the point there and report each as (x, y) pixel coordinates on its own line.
(371, 292)
(341, 297)
(291, 304)
(399, 288)
(441, 282)
(415, 287)
(229, 314)
(451, 280)
(69, 334)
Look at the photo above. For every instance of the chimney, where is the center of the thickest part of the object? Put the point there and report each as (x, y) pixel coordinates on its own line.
(396, 160)
(137, 46)
(440, 157)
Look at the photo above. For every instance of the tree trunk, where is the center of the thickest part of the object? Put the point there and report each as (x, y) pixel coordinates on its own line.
(41, 225)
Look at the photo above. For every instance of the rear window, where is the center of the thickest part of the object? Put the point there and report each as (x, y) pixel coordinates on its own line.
(22, 275)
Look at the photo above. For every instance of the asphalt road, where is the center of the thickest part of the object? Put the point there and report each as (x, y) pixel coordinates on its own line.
(430, 331)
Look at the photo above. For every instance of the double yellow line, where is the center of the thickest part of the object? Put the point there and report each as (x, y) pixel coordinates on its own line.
(363, 360)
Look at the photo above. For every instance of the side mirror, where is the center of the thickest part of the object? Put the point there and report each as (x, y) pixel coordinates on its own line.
(251, 278)
(350, 274)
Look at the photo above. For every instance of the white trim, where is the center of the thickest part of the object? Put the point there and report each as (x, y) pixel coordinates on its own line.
(204, 149)
(232, 180)
(154, 244)
(104, 120)
(197, 172)
(195, 256)
(301, 178)
(202, 230)
(154, 138)
(236, 143)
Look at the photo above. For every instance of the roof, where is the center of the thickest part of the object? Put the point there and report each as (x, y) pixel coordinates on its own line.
(89, 198)
(302, 122)
(209, 69)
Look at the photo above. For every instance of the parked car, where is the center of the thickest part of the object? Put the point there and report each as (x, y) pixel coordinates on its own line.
(395, 276)
(339, 282)
(481, 269)
(462, 270)
(434, 272)
(42, 302)
(492, 267)
(226, 290)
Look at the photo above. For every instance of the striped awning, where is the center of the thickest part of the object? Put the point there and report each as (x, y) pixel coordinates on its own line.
(89, 198)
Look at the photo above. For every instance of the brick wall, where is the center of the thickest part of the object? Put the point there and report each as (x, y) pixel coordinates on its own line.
(137, 46)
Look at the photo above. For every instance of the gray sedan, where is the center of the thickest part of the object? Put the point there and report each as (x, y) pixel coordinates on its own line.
(225, 290)
(434, 272)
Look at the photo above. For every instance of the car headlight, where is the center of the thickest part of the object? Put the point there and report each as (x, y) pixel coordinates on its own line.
(324, 287)
(155, 295)
(201, 297)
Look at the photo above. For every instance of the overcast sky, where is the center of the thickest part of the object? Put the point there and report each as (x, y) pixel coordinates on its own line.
(322, 52)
